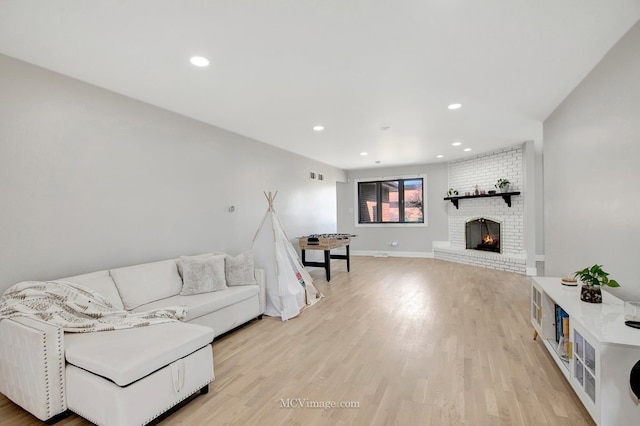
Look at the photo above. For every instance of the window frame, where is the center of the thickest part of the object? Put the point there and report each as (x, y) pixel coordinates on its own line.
(356, 210)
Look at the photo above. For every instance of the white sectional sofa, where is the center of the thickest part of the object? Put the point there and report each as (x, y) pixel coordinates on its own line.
(128, 376)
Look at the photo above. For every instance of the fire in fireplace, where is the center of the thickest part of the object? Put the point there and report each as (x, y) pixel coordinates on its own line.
(483, 234)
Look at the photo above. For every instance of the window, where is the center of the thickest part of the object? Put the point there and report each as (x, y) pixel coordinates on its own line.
(391, 201)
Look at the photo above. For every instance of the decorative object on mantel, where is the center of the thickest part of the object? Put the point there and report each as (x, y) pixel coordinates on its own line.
(477, 191)
(592, 278)
(632, 314)
(452, 192)
(492, 191)
(503, 185)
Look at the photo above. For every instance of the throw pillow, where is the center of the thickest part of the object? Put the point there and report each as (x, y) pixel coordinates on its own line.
(199, 256)
(239, 269)
(202, 274)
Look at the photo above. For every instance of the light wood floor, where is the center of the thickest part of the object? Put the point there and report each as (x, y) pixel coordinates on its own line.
(411, 341)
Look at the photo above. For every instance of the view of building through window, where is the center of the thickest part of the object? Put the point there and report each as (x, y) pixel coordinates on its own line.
(391, 201)
(413, 211)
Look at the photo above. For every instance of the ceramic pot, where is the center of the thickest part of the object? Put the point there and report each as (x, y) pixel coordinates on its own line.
(591, 294)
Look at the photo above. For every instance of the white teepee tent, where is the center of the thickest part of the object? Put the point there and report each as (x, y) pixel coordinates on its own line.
(290, 288)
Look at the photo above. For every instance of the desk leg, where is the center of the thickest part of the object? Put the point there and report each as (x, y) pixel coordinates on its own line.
(303, 257)
(327, 264)
(348, 265)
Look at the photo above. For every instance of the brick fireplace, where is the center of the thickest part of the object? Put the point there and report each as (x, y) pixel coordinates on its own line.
(484, 171)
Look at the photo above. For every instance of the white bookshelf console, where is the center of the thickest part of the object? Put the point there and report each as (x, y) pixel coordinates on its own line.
(602, 349)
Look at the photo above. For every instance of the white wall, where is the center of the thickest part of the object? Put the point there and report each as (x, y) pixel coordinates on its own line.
(414, 241)
(592, 171)
(90, 179)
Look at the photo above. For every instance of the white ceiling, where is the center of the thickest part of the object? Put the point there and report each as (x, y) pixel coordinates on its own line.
(280, 67)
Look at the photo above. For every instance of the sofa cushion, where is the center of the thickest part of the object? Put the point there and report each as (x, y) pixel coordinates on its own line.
(124, 356)
(140, 284)
(197, 256)
(202, 304)
(239, 270)
(100, 282)
(202, 275)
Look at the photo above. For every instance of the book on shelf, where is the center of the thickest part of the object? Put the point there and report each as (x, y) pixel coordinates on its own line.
(565, 334)
(560, 316)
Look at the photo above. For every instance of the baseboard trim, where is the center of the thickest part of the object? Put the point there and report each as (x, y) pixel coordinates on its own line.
(380, 253)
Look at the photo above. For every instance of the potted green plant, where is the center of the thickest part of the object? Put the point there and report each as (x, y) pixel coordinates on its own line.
(503, 185)
(592, 279)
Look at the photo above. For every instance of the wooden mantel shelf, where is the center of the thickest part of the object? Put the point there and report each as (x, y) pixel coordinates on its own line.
(506, 196)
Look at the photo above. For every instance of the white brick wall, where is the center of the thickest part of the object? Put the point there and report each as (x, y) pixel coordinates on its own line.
(484, 171)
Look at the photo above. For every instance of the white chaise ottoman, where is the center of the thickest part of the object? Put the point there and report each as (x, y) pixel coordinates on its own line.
(131, 376)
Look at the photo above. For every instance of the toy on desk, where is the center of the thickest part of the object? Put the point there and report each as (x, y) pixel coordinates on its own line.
(326, 241)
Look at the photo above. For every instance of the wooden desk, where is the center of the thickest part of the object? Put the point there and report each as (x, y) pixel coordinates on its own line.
(325, 242)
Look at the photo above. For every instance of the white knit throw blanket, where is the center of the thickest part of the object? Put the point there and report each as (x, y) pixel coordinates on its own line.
(76, 308)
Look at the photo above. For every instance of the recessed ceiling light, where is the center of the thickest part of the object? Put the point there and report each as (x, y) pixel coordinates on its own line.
(454, 106)
(318, 128)
(364, 153)
(467, 149)
(199, 61)
(385, 127)
(440, 156)
(456, 143)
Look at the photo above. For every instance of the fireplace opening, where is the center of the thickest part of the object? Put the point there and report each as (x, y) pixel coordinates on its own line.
(483, 234)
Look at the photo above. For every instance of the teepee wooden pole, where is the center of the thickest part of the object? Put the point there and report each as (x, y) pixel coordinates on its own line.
(259, 228)
(270, 199)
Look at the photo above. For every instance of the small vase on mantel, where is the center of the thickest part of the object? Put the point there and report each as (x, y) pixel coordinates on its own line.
(503, 185)
(591, 293)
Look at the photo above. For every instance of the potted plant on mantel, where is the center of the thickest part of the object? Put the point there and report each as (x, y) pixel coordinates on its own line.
(592, 279)
(503, 185)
